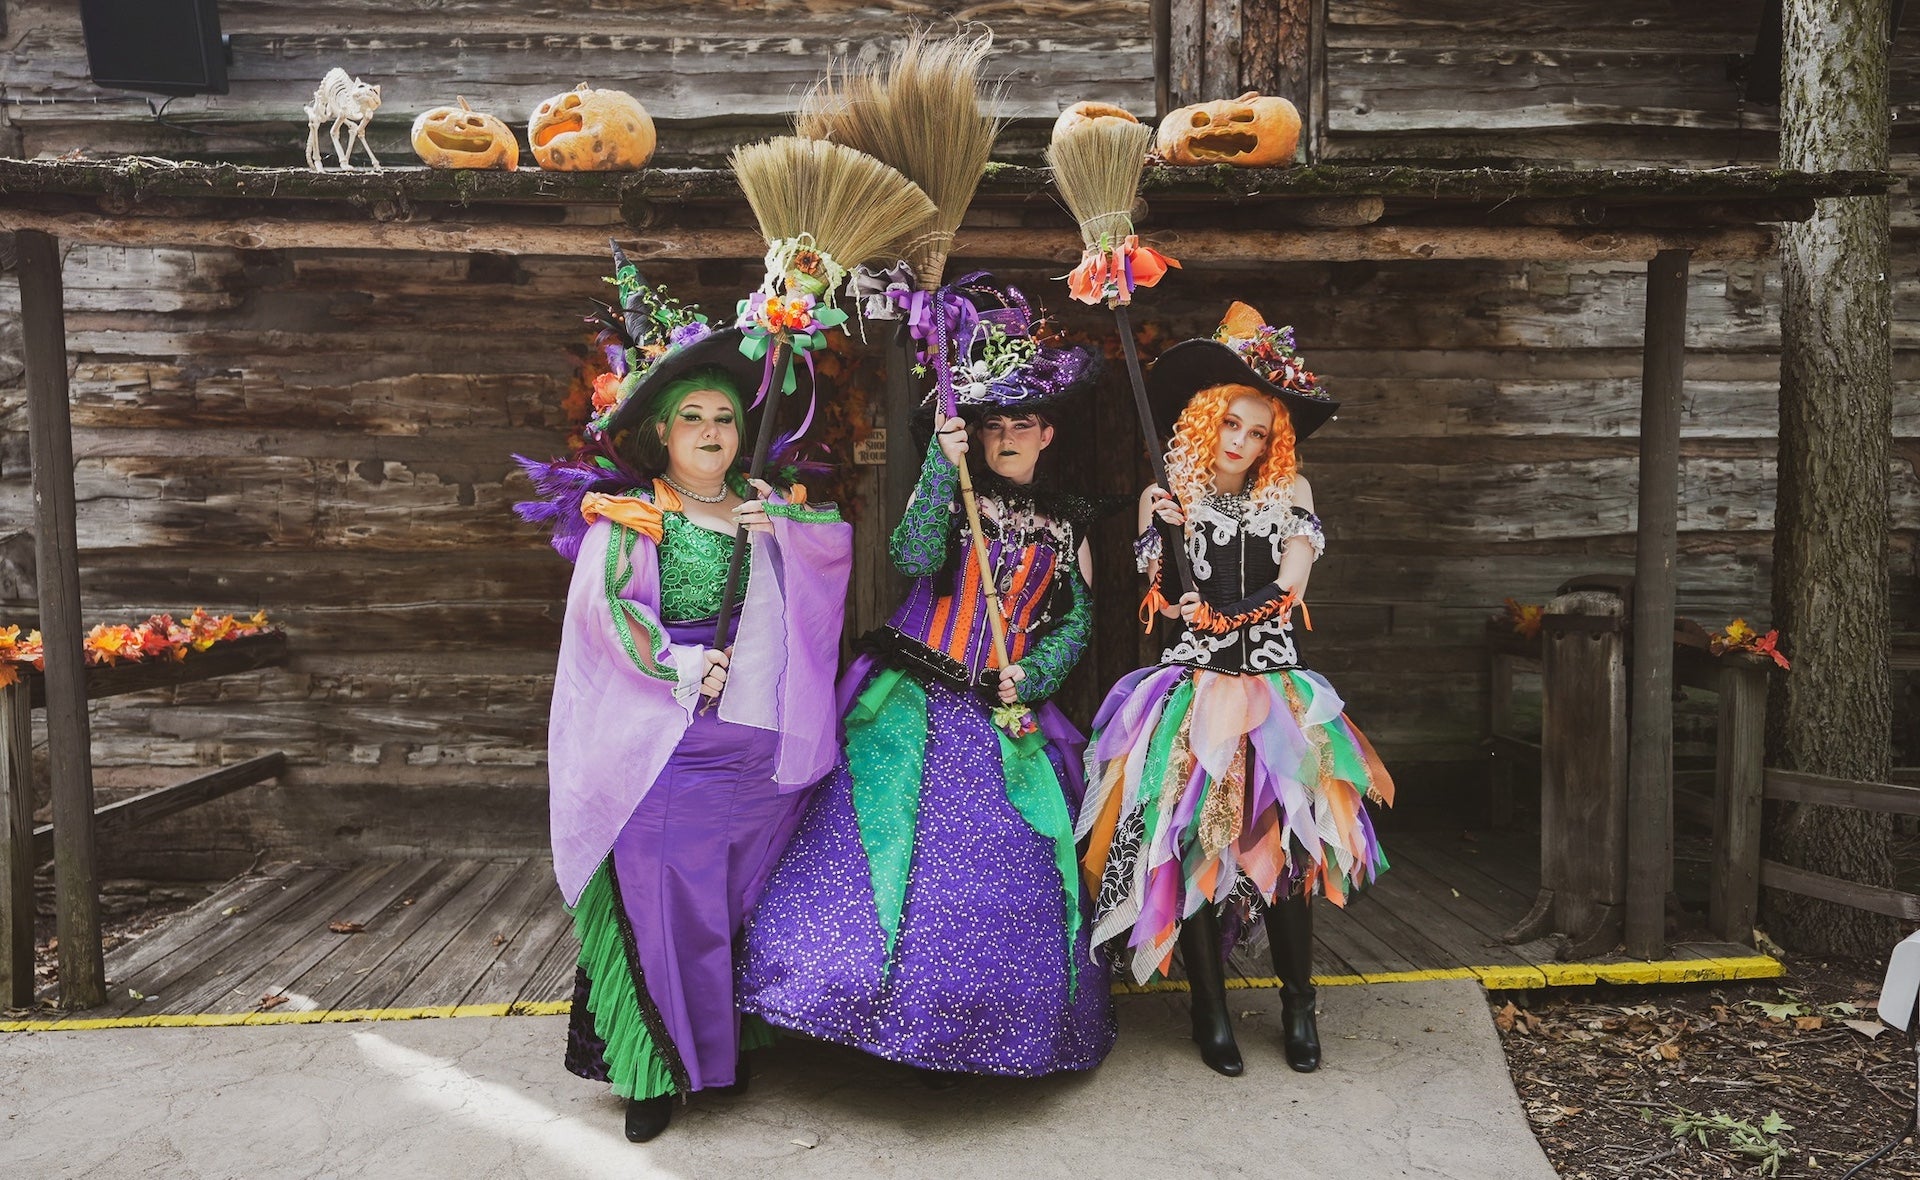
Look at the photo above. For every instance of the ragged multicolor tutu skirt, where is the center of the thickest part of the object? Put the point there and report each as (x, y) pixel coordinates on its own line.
(1232, 790)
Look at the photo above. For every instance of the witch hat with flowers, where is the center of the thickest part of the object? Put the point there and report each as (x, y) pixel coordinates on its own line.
(647, 339)
(1001, 362)
(1244, 350)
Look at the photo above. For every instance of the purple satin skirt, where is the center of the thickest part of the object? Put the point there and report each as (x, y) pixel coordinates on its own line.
(690, 862)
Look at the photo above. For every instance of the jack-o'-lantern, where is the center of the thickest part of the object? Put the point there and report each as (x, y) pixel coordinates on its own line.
(1252, 131)
(588, 130)
(1083, 112)
(461, 137)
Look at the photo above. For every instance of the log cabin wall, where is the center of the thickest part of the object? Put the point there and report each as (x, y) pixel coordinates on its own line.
(325, 434)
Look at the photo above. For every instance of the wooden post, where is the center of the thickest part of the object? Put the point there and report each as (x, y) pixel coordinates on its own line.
(1583, 760)
(1650, 752)
(16, 847)
(57, 553)
(1739, 780)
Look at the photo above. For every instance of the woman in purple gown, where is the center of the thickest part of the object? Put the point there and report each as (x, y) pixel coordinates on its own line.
(928, 909)
(667, 811)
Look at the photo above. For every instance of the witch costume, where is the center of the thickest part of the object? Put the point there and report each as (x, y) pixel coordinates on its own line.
(666, 815)
(928, 909)
(1226, 783)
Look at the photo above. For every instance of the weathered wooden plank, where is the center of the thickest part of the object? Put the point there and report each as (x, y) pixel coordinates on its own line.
(505, 979)
(679, 73)
(1194, 246)
(328, 982)
(1739, 785)
(17, 903)
(224, 659)
(1872, 898)
(460, 966)
(128, 814)
(1798, 787)
(381, 987)
(1583, 762)
(316, 941)
(130, 959)
(1649, 25)
(1353, 945)
(222, 982)
(1650, 744)
(554, 978)
(1412, 896)
(214, 932)
(77, 891)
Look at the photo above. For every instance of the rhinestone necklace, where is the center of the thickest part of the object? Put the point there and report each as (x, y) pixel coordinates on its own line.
(690, 494)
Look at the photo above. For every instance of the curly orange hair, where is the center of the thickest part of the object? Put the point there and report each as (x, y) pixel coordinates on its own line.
(1196, 445)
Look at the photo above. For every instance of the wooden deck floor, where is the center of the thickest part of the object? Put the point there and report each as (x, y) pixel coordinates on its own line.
(489, 937)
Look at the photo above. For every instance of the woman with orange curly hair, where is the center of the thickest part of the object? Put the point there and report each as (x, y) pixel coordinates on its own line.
(1225, 784)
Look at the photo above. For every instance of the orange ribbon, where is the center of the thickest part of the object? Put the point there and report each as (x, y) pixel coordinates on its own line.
(1112, 274)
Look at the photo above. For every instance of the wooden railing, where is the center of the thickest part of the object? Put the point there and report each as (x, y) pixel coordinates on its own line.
(23, 847)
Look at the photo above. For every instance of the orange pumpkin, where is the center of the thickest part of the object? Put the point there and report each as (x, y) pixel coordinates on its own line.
(1252, 131)
(461, 137)
(1082, 112)
(588, 130)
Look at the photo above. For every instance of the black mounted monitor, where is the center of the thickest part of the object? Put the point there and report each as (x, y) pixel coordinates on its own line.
(159, 46)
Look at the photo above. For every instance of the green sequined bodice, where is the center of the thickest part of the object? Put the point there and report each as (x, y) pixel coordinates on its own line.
(693, 570)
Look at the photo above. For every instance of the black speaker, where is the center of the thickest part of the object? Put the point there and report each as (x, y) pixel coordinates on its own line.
(161, 46)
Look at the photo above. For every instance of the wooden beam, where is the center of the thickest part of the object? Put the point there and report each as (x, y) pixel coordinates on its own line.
(1197, 247)
(83, 981)
(1734, 885)
(1872, 898)
(1650, 746)
(1794, 786)
(161, 802)
(1276, 53)
(16, 848)
(222, 659)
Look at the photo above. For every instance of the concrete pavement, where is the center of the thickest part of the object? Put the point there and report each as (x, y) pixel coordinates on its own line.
(1414, 1085)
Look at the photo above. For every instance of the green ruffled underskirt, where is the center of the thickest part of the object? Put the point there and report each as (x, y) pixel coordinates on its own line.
(636, 1067)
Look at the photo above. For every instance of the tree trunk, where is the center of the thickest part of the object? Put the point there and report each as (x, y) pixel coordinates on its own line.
(1832, 713)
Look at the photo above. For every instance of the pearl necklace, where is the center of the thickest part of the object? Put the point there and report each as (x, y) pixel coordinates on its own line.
(693, 495)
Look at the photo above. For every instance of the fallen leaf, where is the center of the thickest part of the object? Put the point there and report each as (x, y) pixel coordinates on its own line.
(499, 939)
(272, 1001)
(406, 901)
(1667, 1051)
(1570, 1111)
(346, 927)
(231, 910)
(134, 995)
(1503, 1019)
(1866, 1028)
(1809, 1023)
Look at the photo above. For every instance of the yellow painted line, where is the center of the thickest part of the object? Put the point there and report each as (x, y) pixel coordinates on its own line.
(1494, 978)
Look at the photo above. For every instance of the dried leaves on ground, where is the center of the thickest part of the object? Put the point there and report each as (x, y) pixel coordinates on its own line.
(1778, 1077)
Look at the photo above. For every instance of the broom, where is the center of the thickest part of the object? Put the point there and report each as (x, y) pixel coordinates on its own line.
(823, 208)
(920, 112)
(1096, 166)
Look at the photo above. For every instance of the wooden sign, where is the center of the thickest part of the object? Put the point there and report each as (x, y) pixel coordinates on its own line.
(872, 450)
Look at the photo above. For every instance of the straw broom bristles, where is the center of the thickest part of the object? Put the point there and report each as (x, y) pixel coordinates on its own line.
(920, 112)
(853, 205)
(1096, 166)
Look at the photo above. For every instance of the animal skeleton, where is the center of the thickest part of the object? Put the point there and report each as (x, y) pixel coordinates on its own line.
(348, 102)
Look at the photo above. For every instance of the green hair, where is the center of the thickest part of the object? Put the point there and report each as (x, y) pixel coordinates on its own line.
(643, 446)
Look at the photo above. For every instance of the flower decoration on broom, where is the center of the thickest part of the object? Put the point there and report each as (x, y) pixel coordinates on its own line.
(822, 208)
(925, 111)
(1096, 166)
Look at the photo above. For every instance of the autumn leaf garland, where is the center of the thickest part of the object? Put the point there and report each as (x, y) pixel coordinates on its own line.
(158, 637)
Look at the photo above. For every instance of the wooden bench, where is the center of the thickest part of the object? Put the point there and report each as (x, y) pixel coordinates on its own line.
(24, 847)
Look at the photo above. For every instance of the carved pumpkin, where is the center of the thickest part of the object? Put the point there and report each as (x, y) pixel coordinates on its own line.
(1252, 131)
(461, 137)
(1082, 112)
(587, 130)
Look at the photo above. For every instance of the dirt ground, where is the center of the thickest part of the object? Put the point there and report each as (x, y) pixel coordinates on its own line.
(1785, 1077)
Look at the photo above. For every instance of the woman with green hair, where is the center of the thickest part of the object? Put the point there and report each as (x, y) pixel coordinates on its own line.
(672, 759)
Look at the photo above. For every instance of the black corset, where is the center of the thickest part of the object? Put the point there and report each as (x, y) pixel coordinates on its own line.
(1228, 565)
